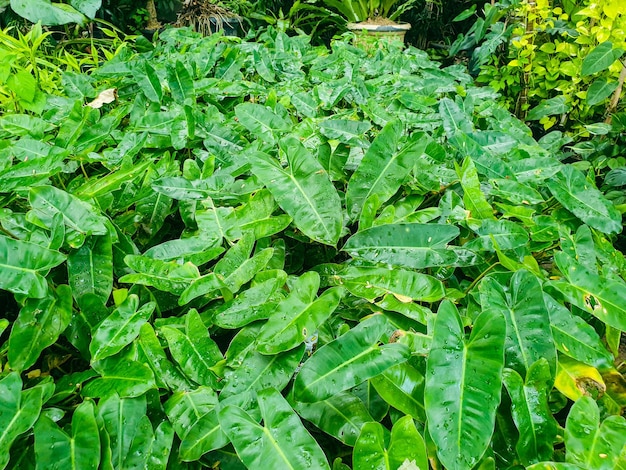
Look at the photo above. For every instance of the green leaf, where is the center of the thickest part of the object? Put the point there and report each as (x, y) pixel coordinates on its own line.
(600, 58)
(78, 451)
(463, 383)
(281, 442)
(126, 378)
(415, 246)
(18, 411)
(347, 361)
(165, 372)
(258, 371)
(531, 413)
(255, 303)
(372, 283)
(528, 333)
(304, 191)
(180, 82)
(121, 418)
(23, 264)
(261, 121)
(120, 328)
(570, 187)
(297, 318)
(591, 444)
(90, 268)
(166, 276)
(346, 131)
(194, 350)
(376, 449)
(78, 215)
(384, 166)
(149, 83)
(473, 197)
(402, 386)
(549, 107)
(47, 12)
(498, 235)
(454, 118)
(575, 337)
(341, 416)
(600, 90)
(39, 325)
(603, 297)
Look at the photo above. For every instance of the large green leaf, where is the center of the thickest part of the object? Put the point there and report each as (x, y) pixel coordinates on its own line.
(47, 12)
(281, 442)
(591, 444)
(341, 416)
(194, 350)
(78, 215)
(372, 283)
(531, 414)
(23, 265)
(575, 337)
(303, 190)
(570, 187)
(90, 268)
(262, 121)
(347, 361)
(405, 448)
(121, 418)
(258, 371)
(124, 377)
(402, 386)
(415, 246)
(168, 276)
(384, 166)
(463, 383)
(528, 333)
(473, 197)
(297, 318)
(39, 325)
(78, 451)
(549, 107)
(603, 297)
(120, 328)
(601, 58)
(180, 83)
(18, 411)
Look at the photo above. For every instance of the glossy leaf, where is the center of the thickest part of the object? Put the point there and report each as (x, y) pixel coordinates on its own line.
(372, 283)
(528, 333)
(463, 382)
(303, 190)
(261, 121)
(90, 268)
(23, 266)
(376, 449)
(281, 442)
(39, 325)
(347, 361)
(574, 337)
(600, 58)
(415, 246)
(18, 411)
(385, 165)
(591, 444)
(402, 386)
(577, 195)
(602, 297)
(341, 416)
(532, 416)
(77, 214)
(473, 197)
(166, 276)
(194, 350)
(180, 82)
(297, 317)
(120, 328)
(125, 378)
(77, 451)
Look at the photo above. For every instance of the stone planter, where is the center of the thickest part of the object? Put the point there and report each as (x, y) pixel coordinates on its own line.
(367, 34)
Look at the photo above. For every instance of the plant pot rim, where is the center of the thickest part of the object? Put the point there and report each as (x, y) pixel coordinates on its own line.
(364, 25)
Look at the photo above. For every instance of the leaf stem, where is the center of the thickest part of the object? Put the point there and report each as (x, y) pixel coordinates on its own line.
(480, 276)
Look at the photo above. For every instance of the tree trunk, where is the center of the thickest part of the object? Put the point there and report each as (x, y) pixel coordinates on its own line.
(153, 22)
